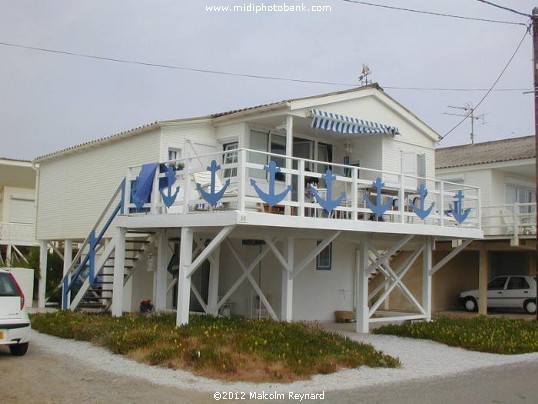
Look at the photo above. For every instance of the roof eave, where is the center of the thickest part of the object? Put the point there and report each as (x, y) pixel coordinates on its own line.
(98, 142)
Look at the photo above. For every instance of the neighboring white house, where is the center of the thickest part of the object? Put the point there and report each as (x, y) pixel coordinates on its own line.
(17, 209)
(283, 210)
(506, 172)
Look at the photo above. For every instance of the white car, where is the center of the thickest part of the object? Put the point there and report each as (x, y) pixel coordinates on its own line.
(516, 291)
(14, 322)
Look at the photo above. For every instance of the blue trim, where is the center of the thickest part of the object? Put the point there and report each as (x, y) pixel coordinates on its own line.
(89, 259)
(93, 244)
(108, 223)
(66, 292)
(122, 200)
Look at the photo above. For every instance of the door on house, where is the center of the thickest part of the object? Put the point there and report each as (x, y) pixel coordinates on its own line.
(413, 165)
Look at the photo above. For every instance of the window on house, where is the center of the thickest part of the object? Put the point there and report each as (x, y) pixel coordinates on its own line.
(521, 195)
(230, 157)
(325, 153)
(258, 141)
(324, 258)
(278, 146)
(174, 154)
(267, 142)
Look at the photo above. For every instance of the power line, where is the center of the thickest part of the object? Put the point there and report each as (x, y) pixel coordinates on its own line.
(254, 76)
(410, 10)
(491, 88)
(504, 8)
(457, 89)
(164, 66)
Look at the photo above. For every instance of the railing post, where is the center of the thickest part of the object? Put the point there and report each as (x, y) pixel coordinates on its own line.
(301, 188)
(354, 193)
(442, 204)
(515, 219)
(91, 261)
(479, 208)
(186, 185)
(155, 195)
(127, 192)
(401, 198)
(68, 258)
(241, 186)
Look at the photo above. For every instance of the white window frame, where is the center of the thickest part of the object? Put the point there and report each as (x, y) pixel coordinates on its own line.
(320, 265)
(230, 158)
(175, 153)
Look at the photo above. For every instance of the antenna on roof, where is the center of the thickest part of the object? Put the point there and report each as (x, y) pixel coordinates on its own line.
(363, 78)
(469, 113)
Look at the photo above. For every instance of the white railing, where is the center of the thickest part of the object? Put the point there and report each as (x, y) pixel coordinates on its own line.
(17, 233)
(509, 220)
(357, 184)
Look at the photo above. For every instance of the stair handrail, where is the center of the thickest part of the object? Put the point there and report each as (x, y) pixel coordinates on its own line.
(116, 210)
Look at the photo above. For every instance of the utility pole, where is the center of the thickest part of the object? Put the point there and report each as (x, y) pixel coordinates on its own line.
(469, 113)
(535, 73)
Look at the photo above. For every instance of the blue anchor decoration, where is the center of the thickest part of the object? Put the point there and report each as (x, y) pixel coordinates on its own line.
(328, 204)
(459, 214)
(419, 210)
(379, 208)
(271, 198)
(213, 196)
(169, 199)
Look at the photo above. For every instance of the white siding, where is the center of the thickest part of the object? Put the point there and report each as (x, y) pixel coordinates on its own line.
(374, 109)
(392, 156)
(185, 137)
(22, 211)
(74, 189)
(226, 133)
(316, 294)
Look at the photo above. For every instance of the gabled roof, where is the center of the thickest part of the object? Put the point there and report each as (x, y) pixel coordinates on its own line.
(285, 103)
(230, 114)
(520, 148)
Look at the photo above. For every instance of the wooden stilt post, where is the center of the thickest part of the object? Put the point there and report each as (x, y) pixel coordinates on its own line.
(42, 288)
(213, 290)
(362, 312)
(287, 283)
(483, 275)
(160, 275)
(184, 281)
(427, 278)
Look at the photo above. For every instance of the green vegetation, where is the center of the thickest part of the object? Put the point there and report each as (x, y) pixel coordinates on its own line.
(227, 348)
(478, 333)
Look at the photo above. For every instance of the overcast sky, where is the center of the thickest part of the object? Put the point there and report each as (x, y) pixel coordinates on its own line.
(49, 101)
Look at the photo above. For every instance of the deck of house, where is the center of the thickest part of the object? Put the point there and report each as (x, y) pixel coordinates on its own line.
(305, 195)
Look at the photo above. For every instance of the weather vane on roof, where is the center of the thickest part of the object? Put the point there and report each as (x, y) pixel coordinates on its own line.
(363, 78)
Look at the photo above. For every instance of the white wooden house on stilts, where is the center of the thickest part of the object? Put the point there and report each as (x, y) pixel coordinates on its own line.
(291, 211)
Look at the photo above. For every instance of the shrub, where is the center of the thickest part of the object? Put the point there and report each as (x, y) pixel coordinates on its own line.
(479, 333)
(229, 348)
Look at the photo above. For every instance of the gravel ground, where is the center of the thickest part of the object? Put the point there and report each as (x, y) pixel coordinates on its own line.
(421, 360)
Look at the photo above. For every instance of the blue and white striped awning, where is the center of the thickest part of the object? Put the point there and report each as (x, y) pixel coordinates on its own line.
(347, 125)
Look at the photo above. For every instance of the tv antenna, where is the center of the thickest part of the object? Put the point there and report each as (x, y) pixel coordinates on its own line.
(469, 113)
(363, 78)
